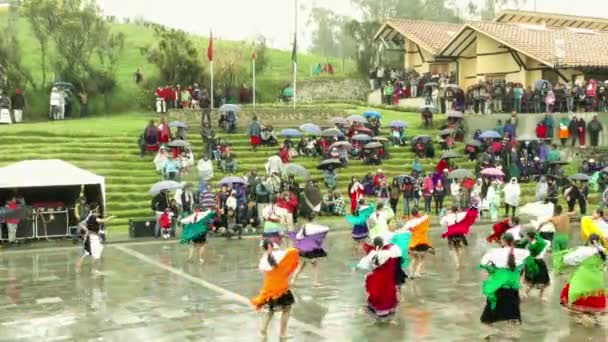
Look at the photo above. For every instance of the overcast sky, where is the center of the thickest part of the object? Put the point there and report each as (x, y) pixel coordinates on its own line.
(244, 19)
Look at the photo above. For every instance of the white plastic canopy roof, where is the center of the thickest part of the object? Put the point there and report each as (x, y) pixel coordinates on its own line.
(47, 173)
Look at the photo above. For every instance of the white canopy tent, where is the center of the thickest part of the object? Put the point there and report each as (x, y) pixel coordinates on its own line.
(48, 173)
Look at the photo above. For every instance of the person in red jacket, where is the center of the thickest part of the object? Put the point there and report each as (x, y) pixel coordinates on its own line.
(169, 96)
(12, 223)
(288, 201)
(379, 178)
(284, 153)
(541, 130)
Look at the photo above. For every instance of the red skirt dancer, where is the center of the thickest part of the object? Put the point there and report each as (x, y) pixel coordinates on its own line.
(499, 229)
(585, 304)
(381, 284)
(456, 233)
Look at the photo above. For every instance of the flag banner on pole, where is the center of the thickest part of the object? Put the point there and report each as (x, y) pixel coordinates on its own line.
(210, 47)
(253, 55)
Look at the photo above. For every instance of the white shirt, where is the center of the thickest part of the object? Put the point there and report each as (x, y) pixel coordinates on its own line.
(500, 256)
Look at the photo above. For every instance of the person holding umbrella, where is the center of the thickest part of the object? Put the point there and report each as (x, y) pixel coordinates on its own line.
(159, 204)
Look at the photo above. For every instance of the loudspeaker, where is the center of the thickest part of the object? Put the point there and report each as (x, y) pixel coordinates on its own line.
(56, 224)
(142, 227)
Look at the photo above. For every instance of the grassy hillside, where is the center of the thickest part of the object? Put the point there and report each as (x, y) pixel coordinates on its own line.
(108, 147)
(278, 70)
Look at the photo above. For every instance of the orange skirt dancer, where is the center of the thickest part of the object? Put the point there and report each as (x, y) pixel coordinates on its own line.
(275, 294)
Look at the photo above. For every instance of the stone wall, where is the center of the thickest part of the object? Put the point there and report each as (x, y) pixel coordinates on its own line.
(280, 116)
(327, 89)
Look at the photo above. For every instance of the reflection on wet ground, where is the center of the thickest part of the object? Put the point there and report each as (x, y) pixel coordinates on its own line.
(149, 293)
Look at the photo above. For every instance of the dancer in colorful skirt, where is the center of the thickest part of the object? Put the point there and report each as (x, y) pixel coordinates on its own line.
(585, 292)
(420, 244)
(383, 281)
(359, 221)
(196, 227)
(275, 295)
(501, 288)
(309, 242)
(274, 222)
(595, 224)
(536, 274)
(378, 222)
(458, 226)
(498, 230)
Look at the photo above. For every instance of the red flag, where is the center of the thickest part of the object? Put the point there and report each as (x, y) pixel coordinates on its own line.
(210, 47)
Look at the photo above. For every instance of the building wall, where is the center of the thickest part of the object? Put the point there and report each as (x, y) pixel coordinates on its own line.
(424, 64)
(486, 60)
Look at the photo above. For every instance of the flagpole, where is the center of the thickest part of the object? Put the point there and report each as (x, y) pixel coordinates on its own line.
(210, 57)
(211, 71)
(295, 63)
(253, 61)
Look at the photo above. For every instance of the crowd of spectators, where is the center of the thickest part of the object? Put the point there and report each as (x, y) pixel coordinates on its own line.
(442, 92)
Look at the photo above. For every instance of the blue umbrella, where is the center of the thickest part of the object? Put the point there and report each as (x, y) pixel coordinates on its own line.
(490, 135)
(398, 124)
(290, 132)
(372, 114)
(310, 128)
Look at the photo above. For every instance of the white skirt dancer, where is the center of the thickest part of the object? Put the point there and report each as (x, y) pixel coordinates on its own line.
(93, 246)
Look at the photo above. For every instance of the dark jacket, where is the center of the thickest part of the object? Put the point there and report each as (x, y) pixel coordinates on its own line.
(160, 202)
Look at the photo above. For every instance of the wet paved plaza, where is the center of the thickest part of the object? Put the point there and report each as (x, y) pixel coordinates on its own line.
(149, 293)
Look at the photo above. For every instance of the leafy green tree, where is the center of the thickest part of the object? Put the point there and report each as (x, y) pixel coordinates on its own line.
(176, 57)
(324, 37)
(12, 72)
(37, 12)
(260, 47)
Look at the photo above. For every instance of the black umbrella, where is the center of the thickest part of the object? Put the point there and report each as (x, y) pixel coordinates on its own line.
(447, 131)
(329, 164)
(402, 178)
(425, 138)
(558, 162)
